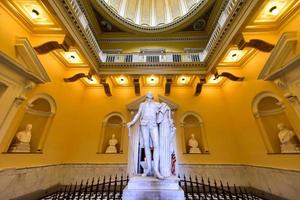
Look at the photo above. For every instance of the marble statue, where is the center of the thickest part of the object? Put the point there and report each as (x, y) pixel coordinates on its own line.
(22, 140)
(152, 127)
(193, 144)
(288, 139)
(166, 138)
(112, 145)
(147, 115)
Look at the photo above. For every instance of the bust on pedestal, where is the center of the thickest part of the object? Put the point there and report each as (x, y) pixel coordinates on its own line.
(112, 145)
(288, 139)
(22, 139)
(193, 144)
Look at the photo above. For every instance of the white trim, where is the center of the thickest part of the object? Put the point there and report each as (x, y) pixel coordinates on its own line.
(193, 114)
(48, 98)
(15, 66)
(27, 55)
(259, 97)
(106, 118)
(285, 47)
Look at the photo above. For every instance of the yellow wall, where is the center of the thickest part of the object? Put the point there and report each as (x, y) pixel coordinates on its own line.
(232, 133)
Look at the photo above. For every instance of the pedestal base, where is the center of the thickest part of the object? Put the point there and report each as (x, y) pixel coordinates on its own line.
(150, 188)
(20, 147)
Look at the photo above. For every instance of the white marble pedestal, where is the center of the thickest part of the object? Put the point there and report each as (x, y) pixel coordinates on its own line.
(150, 188)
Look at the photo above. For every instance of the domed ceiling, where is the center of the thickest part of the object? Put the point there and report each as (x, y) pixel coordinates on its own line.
(151, 15)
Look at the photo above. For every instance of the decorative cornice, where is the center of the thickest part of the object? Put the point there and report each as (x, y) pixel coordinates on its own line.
(156, 39)
(276, 64)
(152, 68)
(26, 53)
(19, 68)
(230, 22)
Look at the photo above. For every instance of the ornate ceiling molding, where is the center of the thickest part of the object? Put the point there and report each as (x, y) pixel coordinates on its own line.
(101, 6)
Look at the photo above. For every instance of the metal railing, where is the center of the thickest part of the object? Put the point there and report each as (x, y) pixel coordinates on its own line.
(112, 188)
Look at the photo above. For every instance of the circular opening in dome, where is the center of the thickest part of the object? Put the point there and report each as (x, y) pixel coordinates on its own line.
(142, 15)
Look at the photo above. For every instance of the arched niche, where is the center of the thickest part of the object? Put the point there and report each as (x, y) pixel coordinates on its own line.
(269, 110)
(39, 112)
(192, 123)
(113, 123)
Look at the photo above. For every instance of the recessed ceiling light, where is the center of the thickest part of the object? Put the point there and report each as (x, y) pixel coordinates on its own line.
(183, 80)
(121, 80)
(91, 81)
(152, 80)
(274, 10)
(213, 80)
(234, 55)
(34, 13)
(72, 57)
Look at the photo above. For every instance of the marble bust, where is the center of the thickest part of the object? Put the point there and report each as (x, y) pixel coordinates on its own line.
(22, 140)
(288, 139)
(193, 144)
(112, 145)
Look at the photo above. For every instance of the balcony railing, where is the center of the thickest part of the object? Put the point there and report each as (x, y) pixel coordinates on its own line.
(152, 58)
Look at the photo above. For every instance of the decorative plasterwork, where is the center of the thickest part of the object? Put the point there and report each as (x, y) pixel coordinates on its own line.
(26, 54)
(184, 80)
(95, 82)
(71, 15)
(266, 20)
(211, 81)
(257, 113)
(151, 68)
(134, 106)
(122, 81)
(152, 81)
(71, 58)
(282, 58)
(235, 57)
(132, 24)
(34, 15)
(228, 24)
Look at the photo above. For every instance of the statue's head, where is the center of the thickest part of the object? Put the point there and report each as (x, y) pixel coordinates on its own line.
(193, 135)
(149, 95)
(113, 136)
(281, 126)
(28, 127)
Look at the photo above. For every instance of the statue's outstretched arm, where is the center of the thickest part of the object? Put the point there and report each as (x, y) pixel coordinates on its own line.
(136, 117)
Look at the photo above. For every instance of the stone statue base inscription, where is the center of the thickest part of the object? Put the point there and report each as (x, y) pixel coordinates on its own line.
(151, 188)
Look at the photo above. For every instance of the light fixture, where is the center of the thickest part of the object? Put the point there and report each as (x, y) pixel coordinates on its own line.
(214, 81)
(121, 80)
(274, 10)
(234, 55)
(183, 80)
(152, 80)
(72, 57)
(34, 13)
(91, 81)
